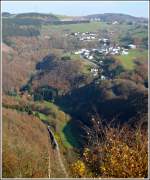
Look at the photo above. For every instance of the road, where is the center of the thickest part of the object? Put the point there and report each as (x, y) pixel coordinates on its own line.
(57, 155)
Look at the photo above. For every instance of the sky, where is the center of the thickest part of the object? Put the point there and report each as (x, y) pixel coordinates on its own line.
(79, 8)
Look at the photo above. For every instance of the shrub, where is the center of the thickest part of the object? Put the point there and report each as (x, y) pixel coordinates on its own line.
(65, 58)
(123, 154)
(78, 168)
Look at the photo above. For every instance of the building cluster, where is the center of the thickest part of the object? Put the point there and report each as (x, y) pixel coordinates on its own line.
(90, 53)
(85, 36)
(95, 19)
(105, 49)
(86, 53)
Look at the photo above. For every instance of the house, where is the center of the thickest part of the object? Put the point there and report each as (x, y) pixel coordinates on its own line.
(46, 37)
(116, 50)
(81, 39)
(132, 46)
(115, 22)
(77, 52)
(110, 48)
(103, 77)
(92, 34)
(90, 57)
(88, 37)
(125, 52)
(83, 50)
(94, 50)
(105, 40)
(95, 19)
(92, 37)
(86, 54)
(94, 71)
(100, 62)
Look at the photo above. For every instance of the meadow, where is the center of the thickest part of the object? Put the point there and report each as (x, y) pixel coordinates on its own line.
(82, 27)
(128, 61)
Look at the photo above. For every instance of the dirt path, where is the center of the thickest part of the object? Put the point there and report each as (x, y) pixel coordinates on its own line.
(55, 158)
(62, 164)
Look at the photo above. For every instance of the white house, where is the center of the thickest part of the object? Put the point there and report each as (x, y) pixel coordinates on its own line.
(100, 62)
(105, 40)
(77, 52)
(103, 77)
(81, 39)
(46, 37)
(94, 71)
(86, 54)
(115, 22)
(75, 34)
(132, 46)
(83, 50)
(88, 37)
(125, 52)
(94, 49)
(90, 57)
(92, 37)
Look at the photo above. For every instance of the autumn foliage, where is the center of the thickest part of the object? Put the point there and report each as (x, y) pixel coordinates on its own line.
(25, 146)
(123, 154)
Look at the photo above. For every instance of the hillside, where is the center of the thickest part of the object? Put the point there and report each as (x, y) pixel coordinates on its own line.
(121, 18)
(31, 148)
(32, 15)
(75, 92)
(27, 122)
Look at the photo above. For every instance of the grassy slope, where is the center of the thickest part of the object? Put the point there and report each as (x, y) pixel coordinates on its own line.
(87, 64)
(83, 27)
(63, 17)
(93, 26)
(128, 60)
(73, 56)
(60, 119)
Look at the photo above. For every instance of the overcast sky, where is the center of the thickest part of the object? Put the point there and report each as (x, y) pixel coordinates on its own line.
(135, 8)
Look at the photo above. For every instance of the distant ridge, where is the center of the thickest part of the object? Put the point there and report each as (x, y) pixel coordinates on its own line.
(64, 19)
(110, 17)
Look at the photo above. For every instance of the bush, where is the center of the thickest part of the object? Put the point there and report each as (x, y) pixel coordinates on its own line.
(65, 58)
(123, 154)
(78, 168)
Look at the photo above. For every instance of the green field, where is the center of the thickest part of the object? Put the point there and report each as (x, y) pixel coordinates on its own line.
(42, 116)
(63, 17)
(72, 56)
(128, 60)
(62, 120)
(82, 27)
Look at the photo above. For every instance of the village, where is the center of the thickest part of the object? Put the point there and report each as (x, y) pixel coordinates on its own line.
(106, 48)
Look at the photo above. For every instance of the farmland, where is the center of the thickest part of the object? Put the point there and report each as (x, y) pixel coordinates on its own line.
(128, 61)
(83, 27)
